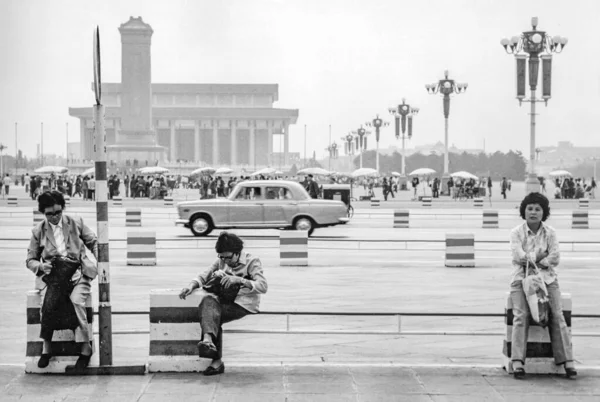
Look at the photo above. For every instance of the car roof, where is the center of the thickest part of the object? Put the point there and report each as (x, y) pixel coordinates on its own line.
(270, 182)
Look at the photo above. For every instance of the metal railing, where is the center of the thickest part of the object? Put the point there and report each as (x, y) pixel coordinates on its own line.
(398, 331)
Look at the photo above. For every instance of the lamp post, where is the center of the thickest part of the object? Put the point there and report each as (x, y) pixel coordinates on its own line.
(333, 153)
(2, 148)
(402, 113)
(361, 141)
(377, 123)
(447, 87)
(535, 44)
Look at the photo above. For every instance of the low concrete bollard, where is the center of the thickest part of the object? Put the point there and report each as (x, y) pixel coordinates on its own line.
(13, 201)
(133, 217)
(580, 220)
(64, 349)
(67, 201)
(175, 332)
(460, 250)
(401, 218)
(490, 220)
(117, 201)
(540, 358)
(478, 202)
(141, 248)
(293, 248)
(169, 201)
(427, 201)
(375, 202)
(584, 203)
(37, 217)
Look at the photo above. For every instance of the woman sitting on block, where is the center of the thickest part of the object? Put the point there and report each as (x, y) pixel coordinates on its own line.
(233, 283)
(536, 243)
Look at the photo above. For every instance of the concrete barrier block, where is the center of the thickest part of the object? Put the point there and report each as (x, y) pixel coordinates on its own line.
(64, 348)
(427, 201)
(133, 217)
(580, 220)
(37, 217)
(478, 202)
(168, 201)
(141, 248)
(117, 201)
(401, 218)
(67, 201)
(584, 203)
(490, 220)
(375, 202)
(293, 248)
(460, 250)
(539, 358)
(13, 201)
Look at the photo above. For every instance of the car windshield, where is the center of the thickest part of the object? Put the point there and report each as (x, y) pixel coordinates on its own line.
(269, 192)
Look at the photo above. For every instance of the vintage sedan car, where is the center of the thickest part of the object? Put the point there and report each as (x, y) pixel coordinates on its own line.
(267, 204)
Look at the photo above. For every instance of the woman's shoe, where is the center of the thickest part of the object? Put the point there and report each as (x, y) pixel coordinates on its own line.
(210, 370)
(519, 373)
(44, 360)
(571, 372)
(207, 350)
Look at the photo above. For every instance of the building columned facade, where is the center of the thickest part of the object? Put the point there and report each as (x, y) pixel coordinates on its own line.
(216, 124)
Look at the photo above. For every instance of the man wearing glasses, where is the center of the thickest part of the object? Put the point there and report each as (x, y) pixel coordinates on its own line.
(56, 242)
(241, 282)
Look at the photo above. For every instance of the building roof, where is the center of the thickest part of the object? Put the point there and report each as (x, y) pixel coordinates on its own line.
(193, 113)
(219, 89)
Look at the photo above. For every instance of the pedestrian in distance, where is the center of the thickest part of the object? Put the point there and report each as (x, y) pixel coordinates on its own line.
(232, 289)
(57, 257)
(535, 243)
(6, 182)
(312, 187)
(489, 186)
(503, 187)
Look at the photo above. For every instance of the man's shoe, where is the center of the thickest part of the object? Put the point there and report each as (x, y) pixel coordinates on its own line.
(210, 370)
(207, 350)
(519, 373)
(82, 362)
(44, 360)
(571, 372)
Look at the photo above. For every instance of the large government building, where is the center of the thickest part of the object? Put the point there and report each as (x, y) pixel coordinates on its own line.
(216, 124)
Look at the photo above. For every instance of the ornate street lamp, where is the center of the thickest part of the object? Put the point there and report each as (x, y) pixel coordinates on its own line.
(333, 153)
(2, 148)
(377, 123)
(361, 141)
(535, 44)
(447, 87)
(348, 140)
(402, 113)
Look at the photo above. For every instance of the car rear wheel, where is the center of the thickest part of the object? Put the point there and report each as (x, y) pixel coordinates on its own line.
(304, 223)
(201, 225)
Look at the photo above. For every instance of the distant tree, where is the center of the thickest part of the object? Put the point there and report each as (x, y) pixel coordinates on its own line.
(293, 170)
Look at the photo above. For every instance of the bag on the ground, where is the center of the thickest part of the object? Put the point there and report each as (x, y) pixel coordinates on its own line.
(536, 294)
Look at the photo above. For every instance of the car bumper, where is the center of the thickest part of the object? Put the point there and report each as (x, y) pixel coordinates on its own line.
(181, 222)
(344, 220)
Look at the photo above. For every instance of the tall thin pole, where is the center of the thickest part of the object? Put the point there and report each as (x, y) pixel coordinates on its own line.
(329, 148)
(377, 153)
(16, 151)
(42, 146)
(67, 143)
(446, 162)
(104, 304)
(403, 157)
(305, 160)
(532, 137)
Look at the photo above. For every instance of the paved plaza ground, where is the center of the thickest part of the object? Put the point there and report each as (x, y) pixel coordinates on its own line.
(364, 266)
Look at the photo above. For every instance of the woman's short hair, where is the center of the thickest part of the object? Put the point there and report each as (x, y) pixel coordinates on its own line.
(536, 198)
(229, 242)
(48, 199)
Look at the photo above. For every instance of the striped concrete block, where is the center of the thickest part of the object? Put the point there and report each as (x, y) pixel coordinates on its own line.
(141, 248)
(117, 201)
(168, 201)
(133, 217)
(584, 203)
(67, 201)
(478, 202)
(460, 250)
(293, 248)
(580, 220)
(37, 217)
(64, 348)
(490, 220)
(539, 358)
(401, 218)
(13, 201)
(427, 201)
(175, 332)
(375, 202)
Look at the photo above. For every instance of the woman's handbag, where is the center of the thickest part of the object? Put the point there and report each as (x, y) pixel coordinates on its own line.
(536, 294)
(226, 295)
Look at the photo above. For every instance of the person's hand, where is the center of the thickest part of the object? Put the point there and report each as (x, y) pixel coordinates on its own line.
(185, 292)
(46, 267)
(230, 280)
(219, 274)
(541, 256)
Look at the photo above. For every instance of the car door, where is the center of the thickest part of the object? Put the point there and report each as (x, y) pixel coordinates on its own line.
(280, 206)
(246, 207)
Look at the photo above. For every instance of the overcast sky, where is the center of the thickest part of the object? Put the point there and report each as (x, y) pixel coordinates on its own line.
(338, 62)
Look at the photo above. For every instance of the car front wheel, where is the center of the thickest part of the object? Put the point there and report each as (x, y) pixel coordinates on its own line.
(201, 225)
(304, 223)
